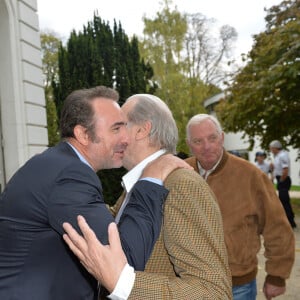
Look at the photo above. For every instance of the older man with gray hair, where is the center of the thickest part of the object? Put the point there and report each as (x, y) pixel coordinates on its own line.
(250, 209)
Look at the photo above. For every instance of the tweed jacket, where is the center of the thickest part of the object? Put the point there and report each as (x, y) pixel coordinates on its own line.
(250, 209)
(189, 260)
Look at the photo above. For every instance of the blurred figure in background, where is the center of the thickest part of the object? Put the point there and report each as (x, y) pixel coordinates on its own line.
(282, 174)
(260, 162)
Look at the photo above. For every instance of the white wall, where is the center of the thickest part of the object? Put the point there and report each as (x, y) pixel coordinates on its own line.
(22, 103)
(234, 141)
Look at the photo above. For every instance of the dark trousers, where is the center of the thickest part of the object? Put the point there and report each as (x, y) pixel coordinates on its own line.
(283, 193)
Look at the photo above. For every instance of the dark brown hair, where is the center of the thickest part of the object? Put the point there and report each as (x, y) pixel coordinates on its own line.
(77, 109)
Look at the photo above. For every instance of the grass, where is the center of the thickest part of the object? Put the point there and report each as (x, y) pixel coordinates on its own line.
(296, 206)
(295, 188)
(296, 202)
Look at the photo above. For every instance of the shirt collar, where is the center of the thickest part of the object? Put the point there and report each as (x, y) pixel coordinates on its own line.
(130, 178)
(79, 155)
(204, 173)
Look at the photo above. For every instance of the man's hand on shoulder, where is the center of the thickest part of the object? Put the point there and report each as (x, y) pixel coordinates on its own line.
(161, 167)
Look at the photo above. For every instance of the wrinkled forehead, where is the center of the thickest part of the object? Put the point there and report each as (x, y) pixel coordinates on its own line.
(203, 129)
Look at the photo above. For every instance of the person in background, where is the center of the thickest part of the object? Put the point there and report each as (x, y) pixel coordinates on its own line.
(59, 184)
(250, 209)
(189, 260)
(281, 171)
(260, 162)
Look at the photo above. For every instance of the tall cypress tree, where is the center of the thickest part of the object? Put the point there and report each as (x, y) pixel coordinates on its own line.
(98, 55)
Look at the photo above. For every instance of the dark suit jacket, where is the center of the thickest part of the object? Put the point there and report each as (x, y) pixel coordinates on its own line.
(49, 189)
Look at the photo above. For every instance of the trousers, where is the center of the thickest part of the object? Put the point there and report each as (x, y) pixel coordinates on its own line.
(283, 188)
(246, 291)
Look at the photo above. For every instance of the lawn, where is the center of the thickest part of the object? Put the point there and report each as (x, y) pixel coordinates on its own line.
(296, 206)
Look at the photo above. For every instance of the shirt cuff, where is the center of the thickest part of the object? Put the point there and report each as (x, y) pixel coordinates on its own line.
(124, 285)
(154, 180)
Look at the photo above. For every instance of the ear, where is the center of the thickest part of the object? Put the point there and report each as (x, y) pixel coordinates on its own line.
(81, 135)
(143, 130)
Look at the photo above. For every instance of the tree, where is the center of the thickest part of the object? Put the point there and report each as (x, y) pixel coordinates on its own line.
(185, 61)
(101, 55)
(206, 52)
(264, 98)
(50, 42)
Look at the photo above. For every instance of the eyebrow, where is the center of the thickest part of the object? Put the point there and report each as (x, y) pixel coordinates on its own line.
(119, 124)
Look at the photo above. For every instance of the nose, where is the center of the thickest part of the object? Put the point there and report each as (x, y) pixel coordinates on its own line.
(206, 144)
(125, 136)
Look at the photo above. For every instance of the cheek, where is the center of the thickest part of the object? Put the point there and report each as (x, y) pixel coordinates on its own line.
(196, 150)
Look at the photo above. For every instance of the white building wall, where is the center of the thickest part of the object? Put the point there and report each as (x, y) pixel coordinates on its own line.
(22, 102)
(234, 141)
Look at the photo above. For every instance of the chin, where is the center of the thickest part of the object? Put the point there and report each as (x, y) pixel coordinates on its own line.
(118, 165)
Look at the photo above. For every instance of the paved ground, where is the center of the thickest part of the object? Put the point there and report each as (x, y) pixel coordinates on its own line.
(295, 194)
(293, 283)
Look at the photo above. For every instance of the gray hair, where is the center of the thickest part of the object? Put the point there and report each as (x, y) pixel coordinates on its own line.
(164, 132)
(276, 144)
(198, 119)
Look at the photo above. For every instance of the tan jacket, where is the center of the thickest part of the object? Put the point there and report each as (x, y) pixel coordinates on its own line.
(189, 260)
(250, 209)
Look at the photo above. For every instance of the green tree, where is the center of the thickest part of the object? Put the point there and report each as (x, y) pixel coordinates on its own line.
(50, 42)
(185, 61)
(207, 53)
(101, 55)
(264, 98)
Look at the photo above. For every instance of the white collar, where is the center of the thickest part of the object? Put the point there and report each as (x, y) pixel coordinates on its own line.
(204, 172)
(130, 178)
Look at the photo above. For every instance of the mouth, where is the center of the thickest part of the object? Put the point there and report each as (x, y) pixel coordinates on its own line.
(120, 150)
(120, 153)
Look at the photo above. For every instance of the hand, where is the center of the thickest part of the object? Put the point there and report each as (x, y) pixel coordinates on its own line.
(105, 263)
(271, 291)
(161, 167)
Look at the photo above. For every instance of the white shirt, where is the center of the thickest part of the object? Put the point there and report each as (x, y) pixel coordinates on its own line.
(125, 283)
(281, 161)
(130, 179)
(204, 173)
(265, 167)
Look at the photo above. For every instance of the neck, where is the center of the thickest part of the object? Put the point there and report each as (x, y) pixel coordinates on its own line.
(142, 153)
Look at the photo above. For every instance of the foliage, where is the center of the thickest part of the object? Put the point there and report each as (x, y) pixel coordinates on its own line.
(185, 60)
(101, 55)
(206, 52)
(50, 42)
(52, 122)
(264, 98)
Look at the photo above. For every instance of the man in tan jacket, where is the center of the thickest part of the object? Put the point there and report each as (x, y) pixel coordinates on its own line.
(250, 209)
(189, 260)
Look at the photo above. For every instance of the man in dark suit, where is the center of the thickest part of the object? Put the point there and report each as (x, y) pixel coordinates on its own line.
(61, 183)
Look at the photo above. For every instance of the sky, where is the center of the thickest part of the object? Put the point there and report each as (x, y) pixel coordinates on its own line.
(246, 16)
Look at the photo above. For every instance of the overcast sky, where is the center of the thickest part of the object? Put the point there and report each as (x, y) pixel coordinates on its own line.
(246, 16)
